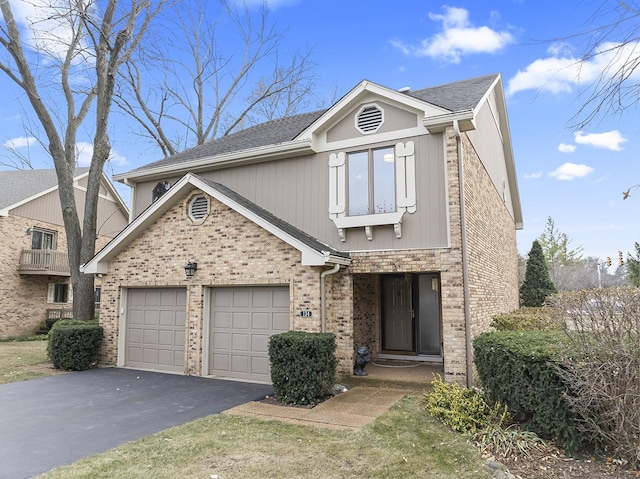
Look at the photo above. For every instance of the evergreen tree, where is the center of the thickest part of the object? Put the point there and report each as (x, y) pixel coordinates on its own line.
(537, 282)
(633, 267)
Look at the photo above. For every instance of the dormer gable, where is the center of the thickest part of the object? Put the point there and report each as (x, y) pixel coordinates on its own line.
(369, 113)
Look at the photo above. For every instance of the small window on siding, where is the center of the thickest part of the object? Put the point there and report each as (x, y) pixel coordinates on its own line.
(198, 208)
(369, 119)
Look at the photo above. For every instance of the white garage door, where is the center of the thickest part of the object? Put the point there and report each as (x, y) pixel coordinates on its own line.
(155, 330)
(242, 319)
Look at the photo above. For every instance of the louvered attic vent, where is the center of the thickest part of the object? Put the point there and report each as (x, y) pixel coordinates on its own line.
(370, 119)
(198, 208)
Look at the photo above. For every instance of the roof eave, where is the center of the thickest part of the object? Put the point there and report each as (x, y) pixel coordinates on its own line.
(250, 155)
(466, 121)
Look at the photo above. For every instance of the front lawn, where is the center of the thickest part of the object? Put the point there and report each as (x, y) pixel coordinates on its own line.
(21, 360)
(404, 443)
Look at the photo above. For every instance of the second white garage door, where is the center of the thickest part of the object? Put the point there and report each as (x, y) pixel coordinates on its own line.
(242, 320)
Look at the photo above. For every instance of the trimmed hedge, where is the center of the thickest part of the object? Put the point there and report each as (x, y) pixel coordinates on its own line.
(525, 318)
(74, 345)
(303, 366)
(520, 369)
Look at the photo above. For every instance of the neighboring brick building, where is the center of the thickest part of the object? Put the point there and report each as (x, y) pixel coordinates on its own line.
(389, 220)
(34, 266)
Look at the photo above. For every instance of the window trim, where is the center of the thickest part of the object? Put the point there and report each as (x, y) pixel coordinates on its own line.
(405, 188)
(44, 231)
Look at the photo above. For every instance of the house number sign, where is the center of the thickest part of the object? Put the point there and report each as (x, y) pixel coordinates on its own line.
(306, 313)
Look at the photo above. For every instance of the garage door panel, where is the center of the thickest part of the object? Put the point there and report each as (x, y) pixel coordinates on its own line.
(242, 320)
(155, 329)
(241, 299)
(280, 321)
(261, 321)
(240, 342)
(222, 320)
(260, 343)
(240, 364)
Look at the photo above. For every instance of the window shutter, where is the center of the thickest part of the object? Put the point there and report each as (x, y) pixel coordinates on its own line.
(337, 185)
(70, 294)
(51, 291)
(406, 176)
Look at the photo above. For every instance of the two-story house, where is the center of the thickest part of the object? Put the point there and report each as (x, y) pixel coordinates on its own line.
(34, 265)
(388, 219)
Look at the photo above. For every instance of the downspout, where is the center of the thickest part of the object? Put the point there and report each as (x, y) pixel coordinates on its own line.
(323, 299)
(465, 263)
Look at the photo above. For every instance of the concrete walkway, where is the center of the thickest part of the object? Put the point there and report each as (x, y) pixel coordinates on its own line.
(349, 410)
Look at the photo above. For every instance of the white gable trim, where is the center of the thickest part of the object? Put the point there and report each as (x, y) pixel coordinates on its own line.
(100, 262)
(5, 211)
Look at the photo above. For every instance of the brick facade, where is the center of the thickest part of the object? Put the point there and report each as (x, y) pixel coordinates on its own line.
(24, 296)
(230, 251)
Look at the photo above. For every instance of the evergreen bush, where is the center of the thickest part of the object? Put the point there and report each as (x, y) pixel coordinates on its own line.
(521, 369)
(303, 366)
(74, 345)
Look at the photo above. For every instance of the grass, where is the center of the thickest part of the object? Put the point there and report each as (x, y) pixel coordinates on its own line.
(21, 360)
(404, 443)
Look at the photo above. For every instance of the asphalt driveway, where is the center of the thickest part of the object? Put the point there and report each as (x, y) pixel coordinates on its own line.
(48, 422)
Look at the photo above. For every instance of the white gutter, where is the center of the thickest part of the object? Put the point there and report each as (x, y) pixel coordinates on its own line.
(323, 299)
(287, 149)
(465, 260)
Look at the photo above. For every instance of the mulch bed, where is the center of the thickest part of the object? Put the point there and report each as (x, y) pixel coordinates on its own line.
(553, 464)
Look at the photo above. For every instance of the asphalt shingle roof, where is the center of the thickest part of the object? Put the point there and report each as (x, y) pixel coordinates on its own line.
(282, 225)
(18, 185)
(458, 96)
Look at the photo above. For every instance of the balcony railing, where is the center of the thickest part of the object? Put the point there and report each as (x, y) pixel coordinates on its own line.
(44, 261)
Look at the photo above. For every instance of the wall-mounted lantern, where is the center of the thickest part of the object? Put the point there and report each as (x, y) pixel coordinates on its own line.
(190, 269)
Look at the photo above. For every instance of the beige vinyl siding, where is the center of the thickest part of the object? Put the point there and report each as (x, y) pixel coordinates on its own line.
(47, 208)
(296, 190)
(394, 119)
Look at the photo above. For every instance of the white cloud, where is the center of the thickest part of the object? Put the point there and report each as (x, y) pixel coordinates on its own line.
(47, 26)
(457, 38)
(533, 176)
(84, 152)
(19, 142)
(609, 140)
(561, 71)
(570, 171)
(565, 148)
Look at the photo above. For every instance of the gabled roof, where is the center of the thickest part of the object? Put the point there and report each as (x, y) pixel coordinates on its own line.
(19, 186)
(286, 136)
(314, 252)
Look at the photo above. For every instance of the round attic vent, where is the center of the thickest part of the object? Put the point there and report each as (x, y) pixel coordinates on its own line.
(198, 208)
(369, 119)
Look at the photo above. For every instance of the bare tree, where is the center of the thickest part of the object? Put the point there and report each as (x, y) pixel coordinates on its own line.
(66, 59)
(612, 36)
(205, 88)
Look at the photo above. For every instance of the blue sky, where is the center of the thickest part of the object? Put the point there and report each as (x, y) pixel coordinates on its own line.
(575, 177)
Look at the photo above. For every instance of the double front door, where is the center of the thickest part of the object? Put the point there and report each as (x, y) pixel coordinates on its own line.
(411, 314)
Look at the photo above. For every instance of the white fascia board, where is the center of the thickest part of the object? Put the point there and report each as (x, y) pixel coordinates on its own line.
(268, 152)
(310, 257)
(440, 122)
(355, 96)
(100, 262)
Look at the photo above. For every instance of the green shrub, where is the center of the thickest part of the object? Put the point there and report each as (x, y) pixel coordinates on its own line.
(463, 409)
(303, 366)
(525, 318)
(74, 345)
(520, 369)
